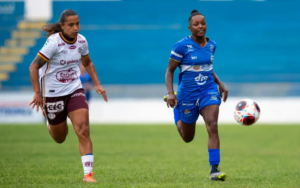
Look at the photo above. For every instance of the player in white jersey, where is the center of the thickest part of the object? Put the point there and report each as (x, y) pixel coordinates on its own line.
(58, 91)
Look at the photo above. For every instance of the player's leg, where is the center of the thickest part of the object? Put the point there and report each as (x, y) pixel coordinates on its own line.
(56, 118)
(79, 116)
(210, 115)
(185, 116)
(58, 132)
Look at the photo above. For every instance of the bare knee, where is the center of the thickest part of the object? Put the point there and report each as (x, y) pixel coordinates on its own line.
(83, 130)
(212, 127)
(60, 140)
(187, 138)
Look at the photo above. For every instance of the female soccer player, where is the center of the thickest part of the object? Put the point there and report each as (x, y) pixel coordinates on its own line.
(58, 91)
(197, 88)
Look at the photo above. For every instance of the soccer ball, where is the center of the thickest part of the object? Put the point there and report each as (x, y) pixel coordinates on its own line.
(246, 112)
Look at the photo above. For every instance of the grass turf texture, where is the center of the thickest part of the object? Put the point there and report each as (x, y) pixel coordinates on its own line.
(151, 156)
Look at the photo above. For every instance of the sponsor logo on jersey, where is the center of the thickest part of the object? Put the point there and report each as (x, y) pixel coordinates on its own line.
(53, 107)
(212, 58)
(81, 41)
(72, 47)
(211, 47)
(190, 48)
(194, 57)
(61, 44)
(196, 67)
(201, 80)
(66, 76)
(63, 62)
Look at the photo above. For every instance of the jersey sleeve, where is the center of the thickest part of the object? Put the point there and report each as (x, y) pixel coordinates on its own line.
(177, 52)
(215, 47)
(85, 50)
(48, 50)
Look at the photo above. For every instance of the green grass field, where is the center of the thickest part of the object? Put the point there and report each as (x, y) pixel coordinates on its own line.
(151, 156)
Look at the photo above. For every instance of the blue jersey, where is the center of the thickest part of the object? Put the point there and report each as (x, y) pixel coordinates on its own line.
(196, 67)
(86, 79)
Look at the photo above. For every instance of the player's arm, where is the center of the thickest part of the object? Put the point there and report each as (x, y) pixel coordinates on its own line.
(90, 68)
(222, 88)
(171, 101)
(37, 63)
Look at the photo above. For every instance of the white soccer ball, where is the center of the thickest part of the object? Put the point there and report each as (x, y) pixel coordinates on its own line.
(247, 112)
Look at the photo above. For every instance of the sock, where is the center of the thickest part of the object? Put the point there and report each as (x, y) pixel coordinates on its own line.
(87, 162)
(176, 115)
(214, 159)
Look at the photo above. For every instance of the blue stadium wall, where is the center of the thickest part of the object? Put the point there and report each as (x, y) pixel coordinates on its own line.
(130, 41)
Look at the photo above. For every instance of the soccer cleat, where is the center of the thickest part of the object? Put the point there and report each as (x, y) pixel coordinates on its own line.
(218, 176)
(166, 96)
(89, 177)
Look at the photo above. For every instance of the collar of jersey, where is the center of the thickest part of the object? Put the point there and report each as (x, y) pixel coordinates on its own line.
(67, 41)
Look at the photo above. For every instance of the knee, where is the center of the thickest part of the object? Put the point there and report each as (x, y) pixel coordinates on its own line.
(212, 127)
(187, 139)
(60, 140)
(83, 130)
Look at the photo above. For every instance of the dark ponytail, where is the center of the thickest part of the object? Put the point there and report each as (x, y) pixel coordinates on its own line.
(194, 13)
(56, 27)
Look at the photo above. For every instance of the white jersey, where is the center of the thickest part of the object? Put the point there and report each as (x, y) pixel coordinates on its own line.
(60, 76)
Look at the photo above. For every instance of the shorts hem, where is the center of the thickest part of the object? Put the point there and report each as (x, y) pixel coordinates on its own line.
(208, 105)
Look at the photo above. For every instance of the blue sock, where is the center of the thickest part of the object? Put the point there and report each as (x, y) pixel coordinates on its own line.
(176, 116)
(89, 154)
(214, 156)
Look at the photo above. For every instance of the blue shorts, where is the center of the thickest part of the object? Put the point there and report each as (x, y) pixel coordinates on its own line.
(189, 110)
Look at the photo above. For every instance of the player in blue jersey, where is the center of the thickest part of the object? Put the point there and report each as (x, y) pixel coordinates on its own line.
(86, 81)
(200, 91)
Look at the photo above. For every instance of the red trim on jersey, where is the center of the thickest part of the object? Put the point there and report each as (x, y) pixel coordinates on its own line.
(64, 39)
(43, 56)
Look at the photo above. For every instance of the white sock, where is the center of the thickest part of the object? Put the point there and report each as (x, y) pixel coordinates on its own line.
(87, 162)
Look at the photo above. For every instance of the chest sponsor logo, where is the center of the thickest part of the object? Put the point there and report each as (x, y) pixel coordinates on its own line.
(72, 47)
(201, 80)
(62, 44)
(63, 62)
(66, 76)
(81, 41)
(53, 107)
(194, 57)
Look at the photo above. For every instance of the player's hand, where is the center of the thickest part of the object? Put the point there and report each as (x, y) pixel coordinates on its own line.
(38, 102)
(171, 100)
(223, 92)
(99, 89)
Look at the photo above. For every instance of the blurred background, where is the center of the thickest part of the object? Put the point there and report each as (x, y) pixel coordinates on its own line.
(130, 42)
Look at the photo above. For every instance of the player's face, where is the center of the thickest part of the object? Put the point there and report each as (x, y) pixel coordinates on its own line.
(198, 26)
(71, 26)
